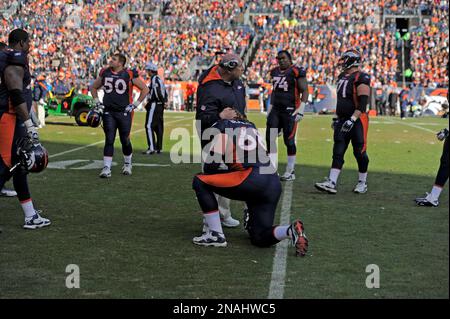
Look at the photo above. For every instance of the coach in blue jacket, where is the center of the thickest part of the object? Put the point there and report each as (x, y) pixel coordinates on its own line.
(220, 92)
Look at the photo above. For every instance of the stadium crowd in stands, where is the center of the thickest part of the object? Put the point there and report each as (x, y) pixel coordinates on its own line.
(173, 48)
(72, 36)
(67, 38)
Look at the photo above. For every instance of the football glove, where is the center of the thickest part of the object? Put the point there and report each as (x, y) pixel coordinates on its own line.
(298, 117)
(130, 108)
(99, 107)
(347, 126)
(442, 134)
(32, 131)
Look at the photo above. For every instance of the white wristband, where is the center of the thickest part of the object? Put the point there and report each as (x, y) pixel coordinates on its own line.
(353, 118)
(136, 103)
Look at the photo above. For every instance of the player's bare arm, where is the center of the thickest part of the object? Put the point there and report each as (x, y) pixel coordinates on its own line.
(139, 83)
(95, 87)
(302, 84)
(14, 81)
(362, 93)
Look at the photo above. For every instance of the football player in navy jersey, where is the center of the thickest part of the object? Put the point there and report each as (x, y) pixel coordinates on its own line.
(249, 177)
(118, 108)
(288, 100)
(3, 190)
(351, 122)
(16, 126)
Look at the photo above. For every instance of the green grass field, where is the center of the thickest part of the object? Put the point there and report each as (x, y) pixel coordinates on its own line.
(131, 236)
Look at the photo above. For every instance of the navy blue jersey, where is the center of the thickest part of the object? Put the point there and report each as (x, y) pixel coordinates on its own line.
(244, 146)
(19, 58)
(285, 94)
(118, 88)
(346, 87)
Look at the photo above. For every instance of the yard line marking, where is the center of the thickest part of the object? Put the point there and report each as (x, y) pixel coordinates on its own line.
(416, 126)
(277, 282)
(102, 141)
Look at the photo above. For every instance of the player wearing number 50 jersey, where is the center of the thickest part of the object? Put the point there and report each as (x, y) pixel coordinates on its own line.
(351, 122)
(117, 108)
(289, 95)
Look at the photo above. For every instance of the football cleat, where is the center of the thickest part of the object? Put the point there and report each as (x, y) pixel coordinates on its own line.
(126, 169)
(299, 240)
(327, 186)
(148, 152)
(211, 238)
(7, 192)
(288, 176)
(105, 173)
(36, 221)
(230, 222)
(360, 188)
(427, 201)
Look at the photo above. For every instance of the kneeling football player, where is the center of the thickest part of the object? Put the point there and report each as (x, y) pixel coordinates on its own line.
(249, 177)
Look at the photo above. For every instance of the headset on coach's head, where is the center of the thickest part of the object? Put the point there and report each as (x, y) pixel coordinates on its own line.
(230, 65)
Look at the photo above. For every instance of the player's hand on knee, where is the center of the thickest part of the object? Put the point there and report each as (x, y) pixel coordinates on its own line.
(442, 134)
(347, 126)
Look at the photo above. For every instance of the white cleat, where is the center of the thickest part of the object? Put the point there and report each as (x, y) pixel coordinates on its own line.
(212, 238)
(7, 192)
(428, 200)
(230, 222)
(360, 188)
(148, 152)
(36, 221)
(126, 169)
(327, 186)
(288, 176)
(105, 173)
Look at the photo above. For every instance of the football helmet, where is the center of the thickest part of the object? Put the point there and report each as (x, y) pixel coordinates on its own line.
(94, 117)
(349, 59)
(33, 157)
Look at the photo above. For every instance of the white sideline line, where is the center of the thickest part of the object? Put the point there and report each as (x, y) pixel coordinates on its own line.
(412, 125)
(277, 283)
(102, 141)
(417, 126)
